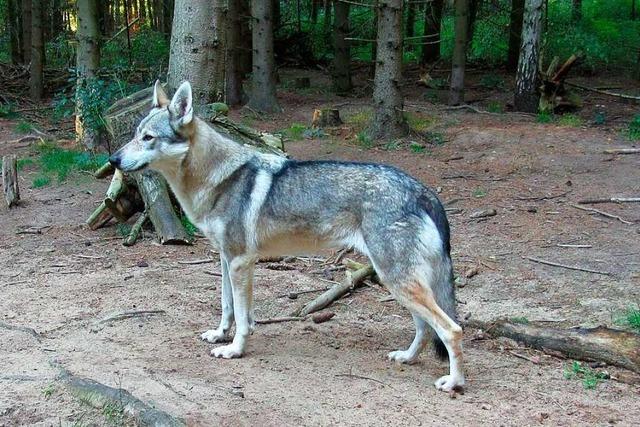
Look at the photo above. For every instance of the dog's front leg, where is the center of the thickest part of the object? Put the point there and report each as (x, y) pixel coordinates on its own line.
(240, 269)
(226, 321)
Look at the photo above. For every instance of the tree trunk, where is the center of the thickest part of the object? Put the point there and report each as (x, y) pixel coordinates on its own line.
(168, 7)
(374, 36)
(14, 31)
(576, 12)
(196, 54)
(515, 34)
(388, 120)
(246, 40)
(142, 7)
(459, 59)
(474, 9)
(315, 8)
(88, 61)
(263, 87)
(327, 16)
(36, 70)
(432, 22)
(526, 94)
(26, 31)
(342, 58)
(10, 180)
(234, 73)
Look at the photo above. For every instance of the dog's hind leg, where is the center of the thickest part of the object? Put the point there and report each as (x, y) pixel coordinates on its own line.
(419, 341)
(221, 334)
(240, 269)
(420, 300)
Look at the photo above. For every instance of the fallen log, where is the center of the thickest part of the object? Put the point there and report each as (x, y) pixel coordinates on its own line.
(10, 180)
(103, 397)
(601, 344)
(622, 151)
(326, 117)
(609, 200)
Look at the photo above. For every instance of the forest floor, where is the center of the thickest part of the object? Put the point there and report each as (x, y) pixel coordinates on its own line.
(62, 278)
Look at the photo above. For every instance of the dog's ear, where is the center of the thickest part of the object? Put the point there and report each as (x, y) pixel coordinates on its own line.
(181, 107)
(160, 98)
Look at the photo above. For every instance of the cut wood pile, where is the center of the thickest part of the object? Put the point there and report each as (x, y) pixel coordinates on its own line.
(147, 193)
(554, 96)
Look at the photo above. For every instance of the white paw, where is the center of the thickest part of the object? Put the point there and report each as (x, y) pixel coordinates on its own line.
(401, 356)
(215, 335)
(449, 383)
(227, 351)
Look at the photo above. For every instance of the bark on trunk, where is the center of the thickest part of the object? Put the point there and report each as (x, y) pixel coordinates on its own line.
(10, 180)
(168, 8)
(459, 60)
(388, 120)
(26, 31)
(234, 73)
(342, 58)
(432, 22)
(155, 194)
(36, 70)
(246, 42)
(526, 94)
(263, 87)
(88, 61)
(196, 54)
(515, 34)
(14, 30)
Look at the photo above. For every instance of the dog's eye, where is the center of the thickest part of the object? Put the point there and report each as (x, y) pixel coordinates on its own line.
(147, 137)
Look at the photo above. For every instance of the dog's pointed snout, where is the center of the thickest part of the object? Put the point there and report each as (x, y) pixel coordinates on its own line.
(115, 160)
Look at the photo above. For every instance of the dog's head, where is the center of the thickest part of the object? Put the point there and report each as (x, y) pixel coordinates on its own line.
(162, 138)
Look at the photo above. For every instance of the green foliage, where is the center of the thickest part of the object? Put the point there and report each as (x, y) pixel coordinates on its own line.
(419, 122)
(114, 414)
(417, 148)
(40, 181)
(188, 226)
(590, 377)
(364, 140)
(630, 318)
(633, 131)
(435, 138)
(479, 192)
(23, 127)
(570, 120)
(6, 111)
(544, 117)
(94, 96)
(495, 107)
(49, 390)
(295, 131)
(22, 163)
(520, 320)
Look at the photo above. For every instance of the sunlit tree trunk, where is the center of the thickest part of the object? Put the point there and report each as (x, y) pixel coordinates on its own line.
(263, 83)
(342, 58)
(388, 120)
(196, 52)
(432, 22)
(88, 61)
(36, 70)
(515, 34)
(526, 95)
(459, 59)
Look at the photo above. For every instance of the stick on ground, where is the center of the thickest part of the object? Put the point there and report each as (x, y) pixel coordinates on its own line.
(605, 214)
(123, 315)
(570, 267)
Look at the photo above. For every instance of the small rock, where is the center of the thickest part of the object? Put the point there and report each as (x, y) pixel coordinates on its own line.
(142, 263)
(483, 213)
(532, 209)
(485, 406)
(128, 276)
(292, 295)
(471, 272)
(461, 282)
(322, 317)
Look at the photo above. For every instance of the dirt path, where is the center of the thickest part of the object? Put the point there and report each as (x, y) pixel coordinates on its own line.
(60, 282)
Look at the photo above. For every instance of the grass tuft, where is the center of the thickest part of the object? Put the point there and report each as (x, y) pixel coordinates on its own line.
(40, 181)
(188, 226)
(571, 120)
(544, 117)
(520, 320)
(590, 377)
(633, 131)
(630, 318)
(23, 127)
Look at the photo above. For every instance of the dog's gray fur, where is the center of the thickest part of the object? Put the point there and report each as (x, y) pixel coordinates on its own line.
(253, 205)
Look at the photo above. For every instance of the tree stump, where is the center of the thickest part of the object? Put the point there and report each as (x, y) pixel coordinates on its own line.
(326, 117)
(162, 214)
(302, 83)
(10, 180)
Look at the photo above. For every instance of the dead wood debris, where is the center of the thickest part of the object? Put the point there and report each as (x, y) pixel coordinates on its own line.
(569, 267)
(99, 325)
(24, 329)
(605, 214)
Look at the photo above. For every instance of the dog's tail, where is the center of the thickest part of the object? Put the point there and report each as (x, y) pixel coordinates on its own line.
(443, 287)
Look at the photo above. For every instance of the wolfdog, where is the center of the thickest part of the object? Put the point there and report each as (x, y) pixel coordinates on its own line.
(253, 205)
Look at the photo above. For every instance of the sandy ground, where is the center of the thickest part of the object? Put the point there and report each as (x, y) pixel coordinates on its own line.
(63, 280)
